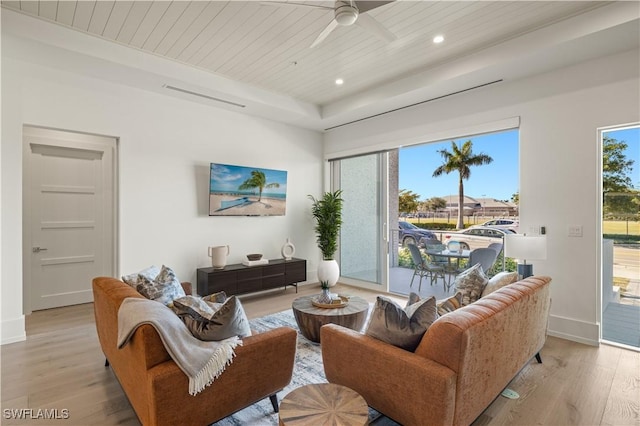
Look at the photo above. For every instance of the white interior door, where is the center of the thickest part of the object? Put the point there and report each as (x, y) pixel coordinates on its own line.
(70, 211)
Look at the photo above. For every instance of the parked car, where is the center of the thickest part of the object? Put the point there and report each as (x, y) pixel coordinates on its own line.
(477, 236)
(502, 223)
(411, 234)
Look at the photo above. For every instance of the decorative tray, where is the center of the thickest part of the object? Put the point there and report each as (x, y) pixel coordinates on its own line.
(344, 302)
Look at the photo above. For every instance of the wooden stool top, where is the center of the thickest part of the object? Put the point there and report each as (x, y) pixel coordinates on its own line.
(323, 404)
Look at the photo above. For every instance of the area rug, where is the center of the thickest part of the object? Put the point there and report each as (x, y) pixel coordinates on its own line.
(307, 369)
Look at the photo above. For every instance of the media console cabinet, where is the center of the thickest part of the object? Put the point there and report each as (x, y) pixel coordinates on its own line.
(241, 279)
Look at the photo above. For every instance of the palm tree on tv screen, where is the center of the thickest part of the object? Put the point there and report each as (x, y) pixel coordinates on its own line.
(257, 180)
(460, 159)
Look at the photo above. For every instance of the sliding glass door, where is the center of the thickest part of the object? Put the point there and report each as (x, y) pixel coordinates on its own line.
(363, 238)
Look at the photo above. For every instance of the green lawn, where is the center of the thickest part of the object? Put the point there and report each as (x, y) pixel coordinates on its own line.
(620, 227)
(609, 227)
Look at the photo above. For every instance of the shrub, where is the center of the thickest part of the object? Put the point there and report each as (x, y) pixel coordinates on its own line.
(622, 238)
(435, 225)
(404, 258)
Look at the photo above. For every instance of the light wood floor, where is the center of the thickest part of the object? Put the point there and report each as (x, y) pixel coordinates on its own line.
(60, 366)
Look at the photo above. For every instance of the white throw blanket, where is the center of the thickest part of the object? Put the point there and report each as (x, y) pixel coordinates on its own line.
(201, 361)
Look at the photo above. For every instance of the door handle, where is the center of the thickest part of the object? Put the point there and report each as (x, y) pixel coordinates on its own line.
(38, 249)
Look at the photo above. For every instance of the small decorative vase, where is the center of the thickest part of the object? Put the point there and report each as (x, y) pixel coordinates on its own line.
(288, 250)
(329, 271)
(325, 297)
(218, 256)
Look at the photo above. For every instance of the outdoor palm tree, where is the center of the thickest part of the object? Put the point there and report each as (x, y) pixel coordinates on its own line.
(258, 180)
(460, 159)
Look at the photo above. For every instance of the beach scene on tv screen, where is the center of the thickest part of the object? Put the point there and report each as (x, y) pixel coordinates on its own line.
(246, 191)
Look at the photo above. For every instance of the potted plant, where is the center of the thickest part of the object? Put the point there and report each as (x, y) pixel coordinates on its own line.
(327, 211)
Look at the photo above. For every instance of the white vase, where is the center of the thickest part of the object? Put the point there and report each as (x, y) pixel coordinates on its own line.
(218, 256)
(328, 270)
(288, 250)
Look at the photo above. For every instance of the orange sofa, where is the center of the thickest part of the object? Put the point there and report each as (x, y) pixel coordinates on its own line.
(464, 361)
(159, 391)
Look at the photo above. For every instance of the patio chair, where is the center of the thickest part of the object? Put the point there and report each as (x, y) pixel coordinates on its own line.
(497, 247)
(424, 268)
(486, 257)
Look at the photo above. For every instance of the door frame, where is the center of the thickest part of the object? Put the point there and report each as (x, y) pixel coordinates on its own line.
(82, 140)
(334, 184)
(600, 131)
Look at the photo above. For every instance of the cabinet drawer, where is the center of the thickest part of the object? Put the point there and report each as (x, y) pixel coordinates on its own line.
(249, 285)
(296, 272)
(249, 273)
(270, 270)
(273, 281)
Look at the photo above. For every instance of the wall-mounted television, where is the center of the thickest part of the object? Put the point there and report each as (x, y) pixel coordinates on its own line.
(246, 191)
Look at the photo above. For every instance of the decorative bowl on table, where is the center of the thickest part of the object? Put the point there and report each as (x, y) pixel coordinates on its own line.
(255, 256)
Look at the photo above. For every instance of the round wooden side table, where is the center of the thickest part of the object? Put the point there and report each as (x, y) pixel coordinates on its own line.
(310, 318)
(323, 404)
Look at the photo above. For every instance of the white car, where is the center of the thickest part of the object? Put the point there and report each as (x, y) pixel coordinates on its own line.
(477, 236)
(502, 223)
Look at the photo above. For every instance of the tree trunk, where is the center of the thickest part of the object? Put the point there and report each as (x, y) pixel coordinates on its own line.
(460, 224)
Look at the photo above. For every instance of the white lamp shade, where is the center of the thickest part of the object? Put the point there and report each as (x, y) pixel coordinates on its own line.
(524, 247)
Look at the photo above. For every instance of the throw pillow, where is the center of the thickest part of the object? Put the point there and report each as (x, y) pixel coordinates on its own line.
(164, 288)
(499, 280)
(449, 304)
(228, 321)
(403, 328)
(470, 283)
(198, 307)
(413, 298)
(134, 280)
(219, 297)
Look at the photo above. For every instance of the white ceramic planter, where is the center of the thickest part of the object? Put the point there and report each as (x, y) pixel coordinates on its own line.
(218, 256)
(328, 270)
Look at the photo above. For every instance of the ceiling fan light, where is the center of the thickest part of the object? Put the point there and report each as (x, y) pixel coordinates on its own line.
(346, 15)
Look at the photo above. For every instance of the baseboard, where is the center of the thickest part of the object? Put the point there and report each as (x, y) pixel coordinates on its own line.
(12, 330)
(575, 330)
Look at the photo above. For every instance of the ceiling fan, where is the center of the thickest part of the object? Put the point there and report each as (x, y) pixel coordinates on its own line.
(348, 12)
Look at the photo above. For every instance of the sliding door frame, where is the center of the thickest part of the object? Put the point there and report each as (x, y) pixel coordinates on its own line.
(383, 231)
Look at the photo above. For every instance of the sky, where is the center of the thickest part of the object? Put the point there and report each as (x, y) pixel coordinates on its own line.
(499, 180)
(632, 138)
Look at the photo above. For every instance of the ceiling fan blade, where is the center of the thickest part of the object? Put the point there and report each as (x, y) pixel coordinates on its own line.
(375, 27)
(366, 5)
(332, 26)
(292, 4)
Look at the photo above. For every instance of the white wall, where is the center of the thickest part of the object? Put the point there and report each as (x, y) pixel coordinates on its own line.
(559, 114)
(165, 147)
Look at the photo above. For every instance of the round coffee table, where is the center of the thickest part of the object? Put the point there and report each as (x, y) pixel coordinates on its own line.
(323, 404)
(311, 318)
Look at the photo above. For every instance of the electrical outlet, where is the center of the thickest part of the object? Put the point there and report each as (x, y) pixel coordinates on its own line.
(575, 230)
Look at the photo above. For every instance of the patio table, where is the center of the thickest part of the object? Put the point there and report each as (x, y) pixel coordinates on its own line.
(450, 254)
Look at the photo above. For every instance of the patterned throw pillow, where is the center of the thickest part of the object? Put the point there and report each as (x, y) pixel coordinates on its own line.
(201, 308)
(413, 298)
(228, 321)
(450, 304)
(499, 280)
(134, 280)
(470, 283)
(164, 288)
(403, 328)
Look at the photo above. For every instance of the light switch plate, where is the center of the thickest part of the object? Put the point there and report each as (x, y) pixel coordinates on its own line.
(575, 230)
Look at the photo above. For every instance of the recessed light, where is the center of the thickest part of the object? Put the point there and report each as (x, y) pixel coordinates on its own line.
(438, 39)
(339, 81)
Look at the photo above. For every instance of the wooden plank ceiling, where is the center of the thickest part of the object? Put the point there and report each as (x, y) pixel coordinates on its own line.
(267, 45)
